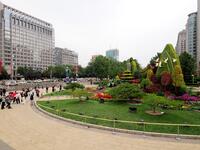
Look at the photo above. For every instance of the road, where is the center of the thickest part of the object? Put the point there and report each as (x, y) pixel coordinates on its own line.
(24, 128)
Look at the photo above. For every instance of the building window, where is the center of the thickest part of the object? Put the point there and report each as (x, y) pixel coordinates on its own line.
(21, 23)
(17, 21)
(13, 20)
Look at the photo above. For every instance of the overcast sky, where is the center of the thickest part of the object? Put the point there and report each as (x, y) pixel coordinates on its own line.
(138, 28)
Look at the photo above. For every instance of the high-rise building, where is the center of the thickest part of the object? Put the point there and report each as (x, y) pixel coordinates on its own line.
(191, 35)
(181, 42)
(24, 39)
(63, 56)
(113, 53)
(198, 37)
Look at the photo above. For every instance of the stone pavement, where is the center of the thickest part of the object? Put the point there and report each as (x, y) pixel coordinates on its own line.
(23, 128)
(4, 146)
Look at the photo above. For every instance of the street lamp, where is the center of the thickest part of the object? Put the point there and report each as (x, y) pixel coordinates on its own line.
(192, 79)
(67, 71)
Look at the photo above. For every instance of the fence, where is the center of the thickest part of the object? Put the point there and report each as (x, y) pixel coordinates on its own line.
(179, 129)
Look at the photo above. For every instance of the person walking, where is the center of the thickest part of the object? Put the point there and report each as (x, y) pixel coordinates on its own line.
(26, 95)
(53, 89)
(47, 89)
(1, 92)
(32, 98)
(37, 93)
(3, 103)
(8, 102)
(4, 91)
(60, 87)
(22, 97)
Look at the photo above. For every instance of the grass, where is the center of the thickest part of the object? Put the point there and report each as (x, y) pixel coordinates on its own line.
(60, 93)
(120, 111)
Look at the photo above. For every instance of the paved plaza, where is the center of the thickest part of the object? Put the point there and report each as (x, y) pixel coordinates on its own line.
(24, 128)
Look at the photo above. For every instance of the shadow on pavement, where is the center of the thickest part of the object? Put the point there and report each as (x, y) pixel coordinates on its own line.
(4, 146)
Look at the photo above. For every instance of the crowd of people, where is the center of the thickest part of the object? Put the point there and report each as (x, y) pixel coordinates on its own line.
(16, 97)
(20, 97)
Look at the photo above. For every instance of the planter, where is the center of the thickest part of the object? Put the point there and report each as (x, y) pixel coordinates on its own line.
(154, 113)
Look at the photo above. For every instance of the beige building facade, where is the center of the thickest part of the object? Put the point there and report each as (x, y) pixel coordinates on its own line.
(25, 40)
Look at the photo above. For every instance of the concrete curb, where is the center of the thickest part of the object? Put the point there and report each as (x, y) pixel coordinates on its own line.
(152, 134)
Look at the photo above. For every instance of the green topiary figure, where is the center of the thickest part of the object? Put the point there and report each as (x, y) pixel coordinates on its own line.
(169, 62)
(177, 77)
(149, 74)
(133, 65)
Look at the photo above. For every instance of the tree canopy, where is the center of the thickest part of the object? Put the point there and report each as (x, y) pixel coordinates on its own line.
(188, 66)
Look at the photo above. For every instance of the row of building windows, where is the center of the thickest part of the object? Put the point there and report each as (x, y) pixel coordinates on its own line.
(28, 25)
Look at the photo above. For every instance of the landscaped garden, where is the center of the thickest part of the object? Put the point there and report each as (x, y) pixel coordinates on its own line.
(153, 99)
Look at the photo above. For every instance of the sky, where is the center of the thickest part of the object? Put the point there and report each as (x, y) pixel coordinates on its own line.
(138, 28)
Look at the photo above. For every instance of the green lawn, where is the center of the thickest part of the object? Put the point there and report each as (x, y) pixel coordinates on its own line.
(60, 93)
(120, 111)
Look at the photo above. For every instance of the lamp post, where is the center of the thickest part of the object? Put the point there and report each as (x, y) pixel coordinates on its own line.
(67, 71)
(192, 79)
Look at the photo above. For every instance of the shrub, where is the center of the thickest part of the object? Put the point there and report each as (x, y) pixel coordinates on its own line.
(74, 86)
(182, 90)
(166, 79)
(80, 93)
(154, 101)
(104, 83)
(161, 102)
(154, 79)
(126, 91)
(145, 83)
(153, 88)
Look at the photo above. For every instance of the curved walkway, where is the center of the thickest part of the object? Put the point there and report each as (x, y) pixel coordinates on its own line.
(23, 128)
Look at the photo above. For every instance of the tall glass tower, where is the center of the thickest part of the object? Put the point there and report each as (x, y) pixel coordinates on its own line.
(113, 53)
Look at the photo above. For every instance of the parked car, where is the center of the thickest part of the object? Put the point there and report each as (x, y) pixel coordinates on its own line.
(37, 81)
(22, 82)
(10, 83)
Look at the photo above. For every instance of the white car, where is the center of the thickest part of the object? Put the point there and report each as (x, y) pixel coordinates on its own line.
(22, 82)
(10, 83)
(37, 81)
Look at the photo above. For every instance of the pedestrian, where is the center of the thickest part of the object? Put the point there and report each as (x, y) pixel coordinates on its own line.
(37, 93)
(18, 99)
(47, 89)
(32, 98)
(3, 103)
(1, 92)
(26, 94)
(8, 102)
(60, 87)
(22, 97)
(4, 91)
(0, 99)
(53, 89)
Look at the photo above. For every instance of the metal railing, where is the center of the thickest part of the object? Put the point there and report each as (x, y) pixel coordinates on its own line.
(189, 129)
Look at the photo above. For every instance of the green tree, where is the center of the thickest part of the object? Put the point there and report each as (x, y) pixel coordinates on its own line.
(126, 91)
(4, 74)
(103, 67)
(188, 66)
(59, 71)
